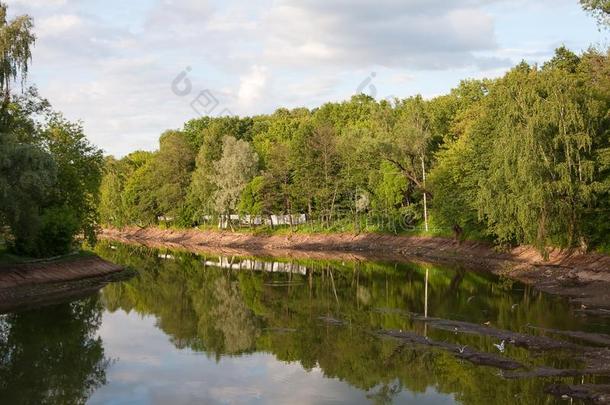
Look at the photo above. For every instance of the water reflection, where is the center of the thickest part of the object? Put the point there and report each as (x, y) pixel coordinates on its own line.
(324, 316)
(52, 355)
(233, 263)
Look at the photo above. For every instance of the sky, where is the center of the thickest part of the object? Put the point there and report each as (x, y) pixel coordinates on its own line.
(130, 70)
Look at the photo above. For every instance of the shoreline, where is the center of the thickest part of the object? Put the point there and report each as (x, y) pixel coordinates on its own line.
(583, 278)
(28, 285)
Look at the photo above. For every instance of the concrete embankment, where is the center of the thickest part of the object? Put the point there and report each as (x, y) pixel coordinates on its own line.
(27, 285)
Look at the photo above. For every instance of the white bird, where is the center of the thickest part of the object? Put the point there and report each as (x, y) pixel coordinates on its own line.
(512, 308)
(461, 349)
(500, 346)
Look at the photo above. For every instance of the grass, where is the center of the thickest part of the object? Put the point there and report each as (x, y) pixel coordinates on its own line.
(605, 249)
(346, 225)
(8, 258)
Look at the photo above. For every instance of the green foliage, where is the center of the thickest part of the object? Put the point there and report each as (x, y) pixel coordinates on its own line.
(79, 173)
(251, 202)
(527, 167)
(455, 183)
(233, 171)
(112, 208)
(600, 9)
(27, 175)
(143, 187)
(278, 193)
(390, 189)
(522, 159)
(57, 229)
(44, 169)
(540, 160)
(171, 166)
(49, 172)
(138, 197)
(16, 40)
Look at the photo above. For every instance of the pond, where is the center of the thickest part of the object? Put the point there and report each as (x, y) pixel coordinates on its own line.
(190, 328)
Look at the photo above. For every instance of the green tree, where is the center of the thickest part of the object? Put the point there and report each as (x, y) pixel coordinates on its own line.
(252, 198)
(600, 9)
(172, 168)
(233, 171)
(159, 184)
(389, 191)
(27, 175)
(79, 174)
(278, 191)
(202, 187)
(16, 40)
(139, 198)
(114, 207)
(316, 162)
(526, 162)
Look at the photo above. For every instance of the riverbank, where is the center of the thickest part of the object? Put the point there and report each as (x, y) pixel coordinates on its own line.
(25, 285)
(584, 278)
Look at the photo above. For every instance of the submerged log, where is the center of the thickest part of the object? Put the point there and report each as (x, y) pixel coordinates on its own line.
(529, 342)
(594, 338)
(598, 394)
(473, 356)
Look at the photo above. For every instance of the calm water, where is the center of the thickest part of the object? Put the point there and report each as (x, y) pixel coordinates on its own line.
(218, 330)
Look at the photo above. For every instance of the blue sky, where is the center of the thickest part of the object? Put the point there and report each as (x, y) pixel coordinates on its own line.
(112, 63)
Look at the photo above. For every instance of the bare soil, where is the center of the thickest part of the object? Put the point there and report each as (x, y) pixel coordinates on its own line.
(584, 278)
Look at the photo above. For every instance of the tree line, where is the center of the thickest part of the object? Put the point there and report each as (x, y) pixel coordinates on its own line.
(522, 159)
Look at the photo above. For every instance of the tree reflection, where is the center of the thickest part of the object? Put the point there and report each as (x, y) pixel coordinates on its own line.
(227, 311)
(52, 355)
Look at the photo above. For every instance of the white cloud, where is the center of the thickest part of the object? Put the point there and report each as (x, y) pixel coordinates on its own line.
(415, 34)
(253, 86)
(111, 63)
(58, 24)
(39, 3)
(178, 16)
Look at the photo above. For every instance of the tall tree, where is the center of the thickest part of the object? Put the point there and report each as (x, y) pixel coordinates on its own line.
(173, 165)
(316, 169)
(237, 166)
(16, 40)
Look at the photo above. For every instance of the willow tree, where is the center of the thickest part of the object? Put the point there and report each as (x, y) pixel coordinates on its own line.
(539, 173)
(600, 9)
(26, 172)
(16, 40)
